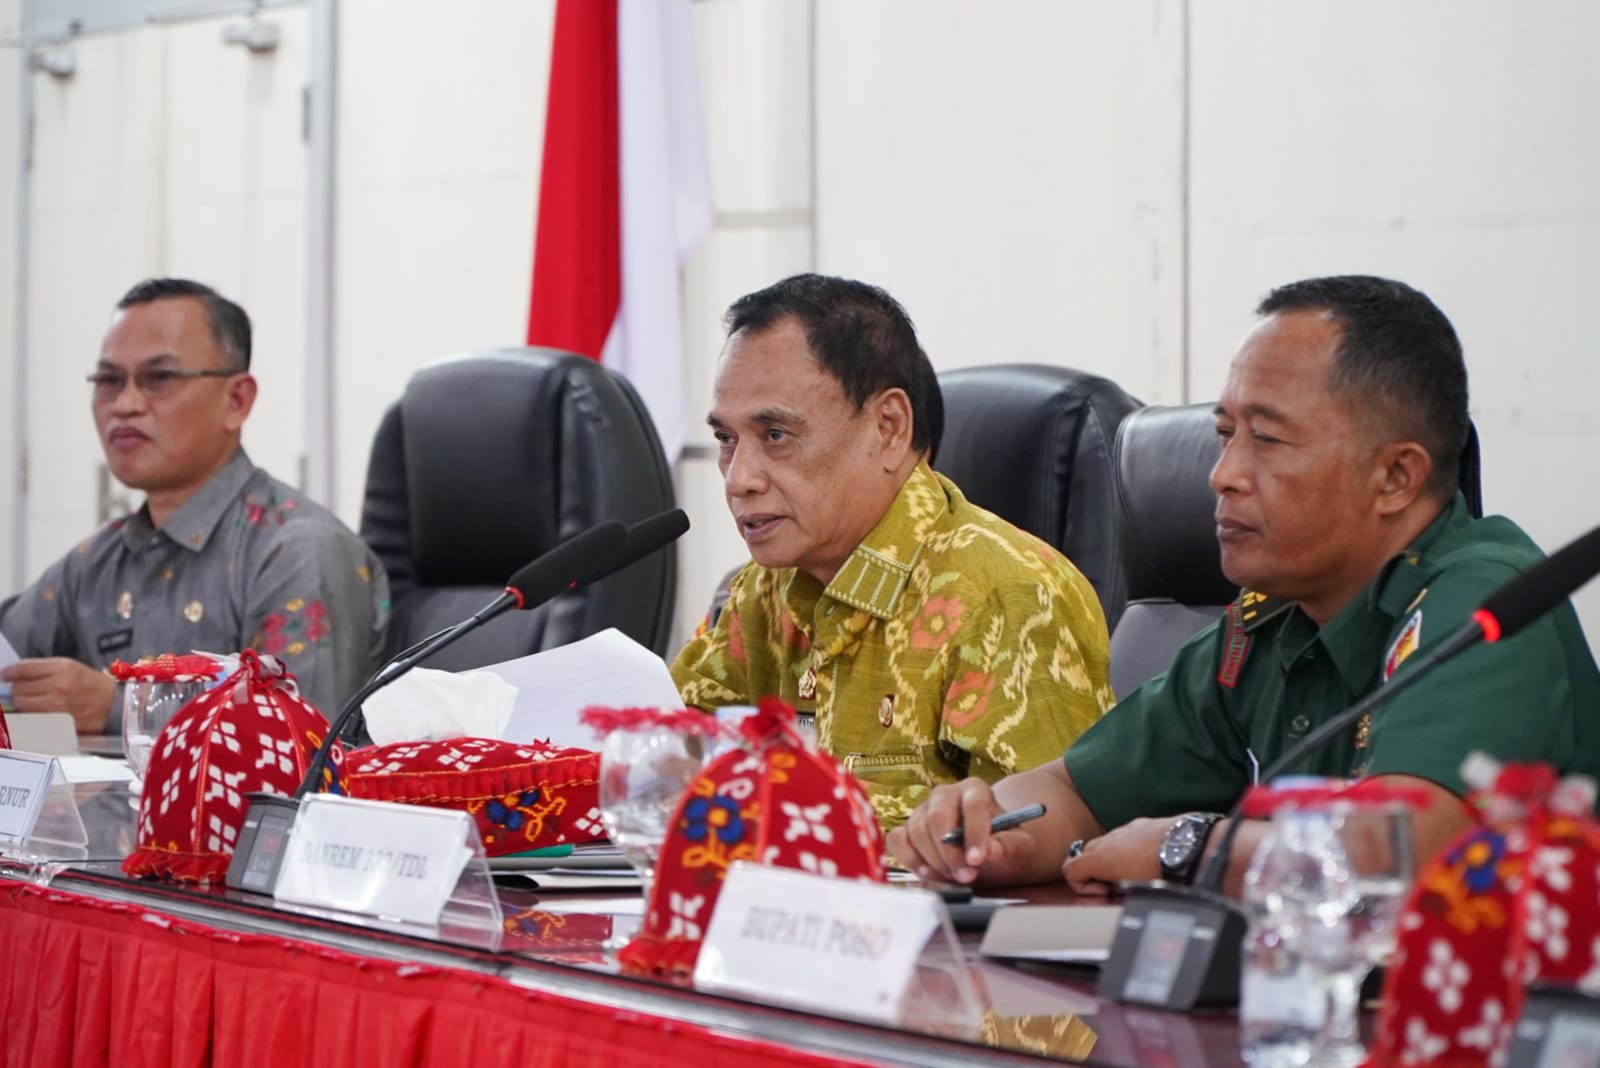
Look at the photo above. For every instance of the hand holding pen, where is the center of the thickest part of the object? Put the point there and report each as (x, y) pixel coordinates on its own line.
(1003, 822)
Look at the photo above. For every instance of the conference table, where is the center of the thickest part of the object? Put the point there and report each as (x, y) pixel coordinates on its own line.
(100, 969)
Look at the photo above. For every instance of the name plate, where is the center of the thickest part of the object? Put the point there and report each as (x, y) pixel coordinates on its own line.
(391, 862)
(24, 781)
(834, 945)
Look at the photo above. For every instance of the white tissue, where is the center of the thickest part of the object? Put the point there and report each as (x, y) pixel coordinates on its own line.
(428, 705)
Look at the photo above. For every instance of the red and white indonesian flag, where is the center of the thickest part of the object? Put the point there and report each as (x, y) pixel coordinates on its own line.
(624, 195)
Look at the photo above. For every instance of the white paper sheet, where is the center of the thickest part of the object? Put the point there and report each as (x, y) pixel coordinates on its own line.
(553, 687)
(94, 769)
(599, 906)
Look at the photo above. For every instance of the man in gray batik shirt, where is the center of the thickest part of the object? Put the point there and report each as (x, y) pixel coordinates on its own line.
(221, 556)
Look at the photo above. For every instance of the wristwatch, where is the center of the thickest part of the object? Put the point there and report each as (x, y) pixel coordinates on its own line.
(1184, 844)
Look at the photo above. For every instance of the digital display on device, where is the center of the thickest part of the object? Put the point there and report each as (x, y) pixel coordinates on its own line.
(266, 850)
(1159, 956)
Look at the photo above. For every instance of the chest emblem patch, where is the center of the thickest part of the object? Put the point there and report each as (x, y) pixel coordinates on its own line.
(1405, 643)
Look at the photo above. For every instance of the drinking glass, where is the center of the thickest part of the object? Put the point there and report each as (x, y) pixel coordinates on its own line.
(147, 707)
(644, 770)
(1377, 841)
(1376, 836)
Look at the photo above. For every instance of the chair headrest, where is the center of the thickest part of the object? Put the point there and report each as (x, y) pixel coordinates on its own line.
(1471, 472)
(1165, 507)
(1032, 443)
(1012, 433)
(490, 459)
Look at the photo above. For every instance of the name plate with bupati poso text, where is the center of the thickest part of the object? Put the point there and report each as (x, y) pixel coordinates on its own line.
(387, 861)
(834, 945)
(24, 781)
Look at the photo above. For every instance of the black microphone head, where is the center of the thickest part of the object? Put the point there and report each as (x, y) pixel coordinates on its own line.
(644, 538)
(571, 563)
(657, 532)
(1542, 587)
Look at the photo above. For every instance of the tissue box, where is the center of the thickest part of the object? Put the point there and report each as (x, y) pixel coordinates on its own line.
(523, 797)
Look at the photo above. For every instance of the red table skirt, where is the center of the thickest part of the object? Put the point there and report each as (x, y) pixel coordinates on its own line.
(85, 983)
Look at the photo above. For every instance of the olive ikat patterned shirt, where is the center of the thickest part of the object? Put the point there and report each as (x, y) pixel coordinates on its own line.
(949, 644)
(247, 562)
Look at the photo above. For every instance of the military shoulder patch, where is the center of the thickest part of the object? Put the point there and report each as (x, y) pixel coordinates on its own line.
(1256, 609)
(1405, 643)
(1245, 616)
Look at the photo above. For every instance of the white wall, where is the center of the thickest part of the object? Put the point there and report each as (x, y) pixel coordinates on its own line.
(1105, 185)
(1015, 180)
(96, 226)
(440, 126)
(1455, 146)
(10, 144)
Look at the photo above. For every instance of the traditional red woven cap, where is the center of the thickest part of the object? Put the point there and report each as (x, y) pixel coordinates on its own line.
(523, 797)
(167, 667)
(1507, 904)
(777, 802)
(251, 734)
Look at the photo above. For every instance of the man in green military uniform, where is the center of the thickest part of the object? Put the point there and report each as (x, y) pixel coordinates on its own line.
(1341, 422)
(931, 638)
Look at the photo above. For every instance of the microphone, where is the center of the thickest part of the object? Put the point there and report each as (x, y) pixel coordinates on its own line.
(1204, 967)
(578, 561)
(657, 532)
(1539, 589)
(644, 537)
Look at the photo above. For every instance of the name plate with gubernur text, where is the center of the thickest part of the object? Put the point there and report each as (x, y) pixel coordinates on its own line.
(24, 781)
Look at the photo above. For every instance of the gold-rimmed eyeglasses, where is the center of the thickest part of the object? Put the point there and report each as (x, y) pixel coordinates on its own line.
(153, 382)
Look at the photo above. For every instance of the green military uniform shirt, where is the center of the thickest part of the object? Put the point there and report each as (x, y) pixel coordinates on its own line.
(949, 644)
(1192, 732)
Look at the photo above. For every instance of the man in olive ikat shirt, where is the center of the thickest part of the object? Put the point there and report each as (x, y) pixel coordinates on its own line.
(932, 639)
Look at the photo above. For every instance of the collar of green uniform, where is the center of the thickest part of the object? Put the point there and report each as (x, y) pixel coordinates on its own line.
(1407, 574)
(875, 574)
(192, 525)
(1353, 640)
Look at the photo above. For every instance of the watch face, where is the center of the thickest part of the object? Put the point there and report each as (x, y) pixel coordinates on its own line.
(1178, 847)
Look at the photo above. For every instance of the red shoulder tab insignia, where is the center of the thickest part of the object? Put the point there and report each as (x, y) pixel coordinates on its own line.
(1245, 615)
(1235, 646)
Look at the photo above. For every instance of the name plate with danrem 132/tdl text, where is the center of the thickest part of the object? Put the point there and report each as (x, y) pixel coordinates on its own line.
(391, 862)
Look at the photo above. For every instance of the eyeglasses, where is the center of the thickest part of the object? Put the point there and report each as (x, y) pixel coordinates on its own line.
(153, 382)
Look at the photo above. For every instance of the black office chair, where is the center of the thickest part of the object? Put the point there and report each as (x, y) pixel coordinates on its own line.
(487, 461)
(1033, 444)
(1167, 534)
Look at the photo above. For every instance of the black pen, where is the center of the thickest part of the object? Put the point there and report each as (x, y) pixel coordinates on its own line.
(1003, 822)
